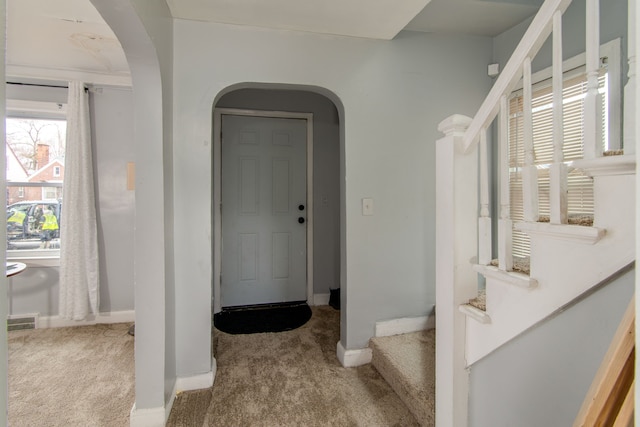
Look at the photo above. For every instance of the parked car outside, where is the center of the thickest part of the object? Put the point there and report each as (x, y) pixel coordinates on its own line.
(25, 221)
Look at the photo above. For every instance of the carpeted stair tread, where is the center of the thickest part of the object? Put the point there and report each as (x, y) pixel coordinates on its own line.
(585, 220)
(520, 264)
(407, 363)
(480, 302)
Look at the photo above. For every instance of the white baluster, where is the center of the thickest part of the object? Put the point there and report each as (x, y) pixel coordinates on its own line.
(529, 171)
(630, 88)
(505, 225)
(558, 170)
(592, 102)
(484, 221)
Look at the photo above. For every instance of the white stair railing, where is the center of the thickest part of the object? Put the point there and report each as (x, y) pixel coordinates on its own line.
(558, 172)
(505, 224)
(592, 102)
(453, 197)
(484, 221)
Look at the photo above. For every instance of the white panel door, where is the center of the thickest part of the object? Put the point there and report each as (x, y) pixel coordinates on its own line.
(264, 210)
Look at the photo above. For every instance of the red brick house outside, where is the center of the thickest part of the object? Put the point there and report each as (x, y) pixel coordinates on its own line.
(46, 172)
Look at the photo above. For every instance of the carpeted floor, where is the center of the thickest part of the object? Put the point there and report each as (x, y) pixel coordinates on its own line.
(290, 379)
(82, 376)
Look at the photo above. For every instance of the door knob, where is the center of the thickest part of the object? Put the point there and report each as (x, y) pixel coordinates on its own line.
(300, 207)
(301, 220)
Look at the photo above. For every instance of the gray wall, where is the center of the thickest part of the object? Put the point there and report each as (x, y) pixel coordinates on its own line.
(613, 24)
(390, 97)
(541, 377)
(36, 289)
(326, 170)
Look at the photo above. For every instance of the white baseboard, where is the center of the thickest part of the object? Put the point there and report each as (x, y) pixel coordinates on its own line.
(197, 382)
(150, 417)
(321, 299)
(404, 325)
(353, 358)
(126, 316)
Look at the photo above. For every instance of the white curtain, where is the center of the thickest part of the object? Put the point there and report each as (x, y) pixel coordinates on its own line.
(79, 287)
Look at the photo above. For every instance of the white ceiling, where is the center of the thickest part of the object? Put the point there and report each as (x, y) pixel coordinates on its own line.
(380, 19)
(67, 39)
(62, 38)
(477, 17)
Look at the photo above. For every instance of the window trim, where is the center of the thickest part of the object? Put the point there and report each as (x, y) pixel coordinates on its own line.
(33, 257)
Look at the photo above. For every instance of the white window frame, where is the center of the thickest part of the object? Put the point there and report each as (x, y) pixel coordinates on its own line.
(56, 171)
(38, 111)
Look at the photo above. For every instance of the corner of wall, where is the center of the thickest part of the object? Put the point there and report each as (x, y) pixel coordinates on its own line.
(354, 357)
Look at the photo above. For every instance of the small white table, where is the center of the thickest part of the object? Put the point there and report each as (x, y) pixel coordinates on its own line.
(14, 268)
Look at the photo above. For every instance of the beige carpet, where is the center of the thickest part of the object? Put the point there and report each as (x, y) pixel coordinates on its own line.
(82, 376)
(408, 363)
(290, 379)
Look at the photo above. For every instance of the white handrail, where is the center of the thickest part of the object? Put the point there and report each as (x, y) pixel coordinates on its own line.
(531, 42)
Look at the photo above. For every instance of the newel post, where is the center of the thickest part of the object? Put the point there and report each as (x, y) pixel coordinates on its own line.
(456, 282)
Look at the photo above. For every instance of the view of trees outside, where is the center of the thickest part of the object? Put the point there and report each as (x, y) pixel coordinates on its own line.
(24, 135)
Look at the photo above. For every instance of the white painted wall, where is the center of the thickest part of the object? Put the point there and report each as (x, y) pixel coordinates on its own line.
(36, 289)
(393, 94)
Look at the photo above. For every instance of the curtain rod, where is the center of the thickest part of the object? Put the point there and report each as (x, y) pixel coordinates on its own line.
(86, 89)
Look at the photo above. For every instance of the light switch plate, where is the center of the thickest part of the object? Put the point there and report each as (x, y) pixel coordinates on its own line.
(367, 206)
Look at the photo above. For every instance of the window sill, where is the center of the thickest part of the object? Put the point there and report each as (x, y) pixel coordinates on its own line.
(36, 258)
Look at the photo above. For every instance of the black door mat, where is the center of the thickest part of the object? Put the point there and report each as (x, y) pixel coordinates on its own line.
(263, 318)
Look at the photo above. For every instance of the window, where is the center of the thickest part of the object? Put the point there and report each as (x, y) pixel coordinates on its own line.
(35, 161)
(580, 186)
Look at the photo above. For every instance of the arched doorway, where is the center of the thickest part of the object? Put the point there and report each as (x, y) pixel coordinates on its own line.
(324, 193)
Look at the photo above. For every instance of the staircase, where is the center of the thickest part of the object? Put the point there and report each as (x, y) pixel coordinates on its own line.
(407, 363)
(569, 254)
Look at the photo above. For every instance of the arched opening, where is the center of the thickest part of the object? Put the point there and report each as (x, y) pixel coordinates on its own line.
(325, 194)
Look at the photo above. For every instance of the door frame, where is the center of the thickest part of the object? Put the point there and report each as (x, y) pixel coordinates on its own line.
(217, 192)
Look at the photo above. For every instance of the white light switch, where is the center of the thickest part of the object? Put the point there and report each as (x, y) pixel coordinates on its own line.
(367, 206)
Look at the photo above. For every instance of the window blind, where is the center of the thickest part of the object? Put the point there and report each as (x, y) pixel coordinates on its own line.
(580, 186)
